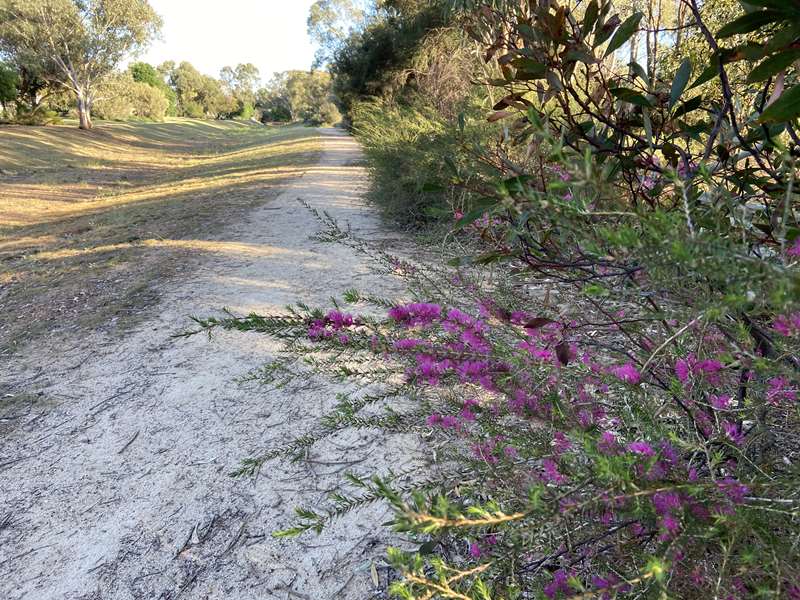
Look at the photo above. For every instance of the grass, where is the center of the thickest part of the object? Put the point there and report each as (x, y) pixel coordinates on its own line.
(91, 223)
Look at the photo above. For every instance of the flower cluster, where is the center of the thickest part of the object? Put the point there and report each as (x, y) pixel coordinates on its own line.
(333, 326)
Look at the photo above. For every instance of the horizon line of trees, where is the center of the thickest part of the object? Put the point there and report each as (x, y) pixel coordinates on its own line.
(59, 57)
(172, 89)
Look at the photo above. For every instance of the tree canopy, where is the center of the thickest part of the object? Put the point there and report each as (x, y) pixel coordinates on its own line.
(76, 43)
(299, 96)
(9, 80)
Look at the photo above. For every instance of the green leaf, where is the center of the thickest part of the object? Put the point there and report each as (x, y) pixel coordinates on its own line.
(783, 37)
(773, 65)
(680, 81)
(750, 22)
(580, 55)
(432, 187)
(625, 31)
(629, 95)
(648, 126)
(470, 217)
(711, 71)
(531, 67)
(526, 31)
(639, 71)
(688, 106)
(589, 18)
(428, 547)
(603, 31)
(785, 108)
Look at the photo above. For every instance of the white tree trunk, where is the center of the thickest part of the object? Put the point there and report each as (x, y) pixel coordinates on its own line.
(84, 111)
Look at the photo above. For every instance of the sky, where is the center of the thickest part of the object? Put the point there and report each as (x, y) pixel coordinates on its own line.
(212, 34)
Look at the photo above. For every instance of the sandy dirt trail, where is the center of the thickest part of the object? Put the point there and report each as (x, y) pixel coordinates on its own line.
(114, 482)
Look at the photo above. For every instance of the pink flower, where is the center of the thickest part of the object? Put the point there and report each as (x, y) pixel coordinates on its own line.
(608, 444)
(666, 502)
(641, 448)
(670, 527)
(408, 344)
(682, 370)
(415, 314)
(708, 366)
(559, 585)
(467, 415)
(779, 390)
(787, 325)
(434, 419)
(733, 490)
(720, 402)
(536, 352)
(795, 249)
(627, 373)
(474, 550)
(551, 472)
(637, 529)
(561, 443)
(450, 422)
(733, 432)
(475, 341)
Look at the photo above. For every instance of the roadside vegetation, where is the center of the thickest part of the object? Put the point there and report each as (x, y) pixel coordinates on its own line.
(605, 364)
(607, 371)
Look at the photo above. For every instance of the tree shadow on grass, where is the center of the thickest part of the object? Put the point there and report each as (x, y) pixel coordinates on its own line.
(102, 261)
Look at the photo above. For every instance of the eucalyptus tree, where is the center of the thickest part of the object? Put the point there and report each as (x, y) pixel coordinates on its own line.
(331, 22)
(9, 84)
(242, 82)
(76, 43)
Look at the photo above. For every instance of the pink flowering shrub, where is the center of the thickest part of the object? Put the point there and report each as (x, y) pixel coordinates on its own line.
(611, 374)
(574, 467)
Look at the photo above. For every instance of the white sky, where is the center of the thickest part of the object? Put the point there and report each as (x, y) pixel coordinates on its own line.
(211, 34)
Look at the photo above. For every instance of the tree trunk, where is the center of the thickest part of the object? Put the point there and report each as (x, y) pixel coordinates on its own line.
(84, 112)
(679, 25)
(634, 48)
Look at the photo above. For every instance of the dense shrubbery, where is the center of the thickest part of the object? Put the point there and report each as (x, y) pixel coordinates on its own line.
(419, 136)
(145, 73)
(614, 367)
(298, 96)
(405, 144)
(122, 98)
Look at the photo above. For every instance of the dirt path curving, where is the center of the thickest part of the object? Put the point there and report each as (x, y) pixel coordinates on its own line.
(114, 465)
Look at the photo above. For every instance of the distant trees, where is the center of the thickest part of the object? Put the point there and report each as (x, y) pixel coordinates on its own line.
(330, 24)
(299, 96)
(241, 82)
(367, 62)
(56, 49)
(9, 80)
(75, 43)
(121, 97)
(147, 73)
(198, 95)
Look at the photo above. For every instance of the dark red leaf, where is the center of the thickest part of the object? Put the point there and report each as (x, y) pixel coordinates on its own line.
(538, 322)
(564, 353)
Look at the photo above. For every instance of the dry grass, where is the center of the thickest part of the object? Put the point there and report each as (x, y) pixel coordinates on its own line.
(92, 223)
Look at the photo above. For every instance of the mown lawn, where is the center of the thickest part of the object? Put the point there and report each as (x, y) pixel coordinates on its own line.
(92, 223)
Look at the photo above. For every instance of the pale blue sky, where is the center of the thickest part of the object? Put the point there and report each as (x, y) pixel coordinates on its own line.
(211, 34)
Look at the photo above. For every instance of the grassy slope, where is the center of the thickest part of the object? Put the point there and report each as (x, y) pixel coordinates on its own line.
(91, 223)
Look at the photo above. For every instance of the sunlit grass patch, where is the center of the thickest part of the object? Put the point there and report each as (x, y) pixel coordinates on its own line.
(113, 211)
